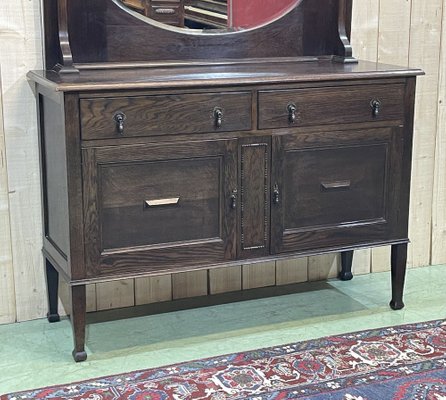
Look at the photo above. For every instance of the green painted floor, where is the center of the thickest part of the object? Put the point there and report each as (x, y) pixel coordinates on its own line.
(36, 353)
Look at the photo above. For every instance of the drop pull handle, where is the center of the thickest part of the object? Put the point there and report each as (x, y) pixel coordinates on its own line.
(119, 119)
(276, 194)
(376, 107)
(218, 117)
(234, 199)
(292, 110)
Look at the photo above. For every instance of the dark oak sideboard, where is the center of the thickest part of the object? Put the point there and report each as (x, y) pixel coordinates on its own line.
(161, 175)
(167, 149)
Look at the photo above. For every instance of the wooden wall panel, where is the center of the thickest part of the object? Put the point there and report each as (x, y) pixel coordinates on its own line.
(115, 294)
(392, 48)
(292, 271)
(424, 50)
(21, 50)
(439, 193)
(323, 267)
(223, 280)
(7, 291)
(405, 32)
(189, 284)
(259, 275)
(153, 289)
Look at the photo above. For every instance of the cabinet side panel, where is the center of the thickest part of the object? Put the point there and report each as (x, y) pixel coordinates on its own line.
(54, 175)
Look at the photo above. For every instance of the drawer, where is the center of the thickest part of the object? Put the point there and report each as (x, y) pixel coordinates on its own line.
(319, 106)
(165, 115)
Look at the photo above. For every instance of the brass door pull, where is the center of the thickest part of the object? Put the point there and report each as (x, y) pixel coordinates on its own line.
(119, 119)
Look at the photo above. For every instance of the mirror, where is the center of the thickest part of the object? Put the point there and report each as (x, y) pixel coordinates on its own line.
(211, 16)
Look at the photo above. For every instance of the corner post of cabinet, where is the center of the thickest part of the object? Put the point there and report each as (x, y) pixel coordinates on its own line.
(76, 256)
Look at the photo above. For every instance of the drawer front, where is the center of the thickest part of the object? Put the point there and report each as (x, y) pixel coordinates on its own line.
(320, 106)
(165, 115)
(336, 188)
(155, 207)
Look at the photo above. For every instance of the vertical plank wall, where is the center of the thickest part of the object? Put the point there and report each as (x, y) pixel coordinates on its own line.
(404, 32)
(20, 50)
(7, 291)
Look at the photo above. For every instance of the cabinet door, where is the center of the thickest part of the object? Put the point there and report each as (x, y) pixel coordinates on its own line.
(336, 189)
(159, 207)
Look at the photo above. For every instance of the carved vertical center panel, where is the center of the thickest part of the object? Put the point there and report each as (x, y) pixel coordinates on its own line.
(254, 191)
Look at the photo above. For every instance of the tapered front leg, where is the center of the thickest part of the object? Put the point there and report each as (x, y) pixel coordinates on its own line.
(52, 285)
(346, 266)
(399, 260)
(78, 317)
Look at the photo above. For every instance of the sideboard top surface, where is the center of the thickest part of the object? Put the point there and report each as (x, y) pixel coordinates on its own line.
(284, 71)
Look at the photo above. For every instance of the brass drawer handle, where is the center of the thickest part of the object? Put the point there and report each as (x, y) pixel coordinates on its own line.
(292, 110)
(218, 117)
(337, 185)
(376, 107)
(119, 119)
(162, 202)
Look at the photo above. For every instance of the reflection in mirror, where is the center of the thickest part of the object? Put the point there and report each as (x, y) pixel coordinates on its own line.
(227, 15)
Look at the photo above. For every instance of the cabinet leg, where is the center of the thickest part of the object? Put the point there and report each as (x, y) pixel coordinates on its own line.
(52, 285)
(78, 317)
(399, 260)
(346, 266)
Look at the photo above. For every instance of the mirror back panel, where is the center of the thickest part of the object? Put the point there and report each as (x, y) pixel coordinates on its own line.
(100, 31)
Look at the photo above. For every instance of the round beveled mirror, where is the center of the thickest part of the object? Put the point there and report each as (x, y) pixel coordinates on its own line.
(210, 16)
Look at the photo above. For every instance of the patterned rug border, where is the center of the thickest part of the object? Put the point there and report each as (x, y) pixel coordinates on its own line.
(310, 344)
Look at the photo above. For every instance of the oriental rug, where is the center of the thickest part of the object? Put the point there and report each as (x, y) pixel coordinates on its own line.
(398, 363)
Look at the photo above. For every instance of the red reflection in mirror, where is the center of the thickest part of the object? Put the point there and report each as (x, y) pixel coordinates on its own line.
(231, 15)
(244, 14)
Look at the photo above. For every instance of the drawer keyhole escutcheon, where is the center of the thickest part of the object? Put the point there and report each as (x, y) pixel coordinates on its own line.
(119, 119)
(218, 117)
(234, 199)
(376, 107)
(276, 194)
(292, 110)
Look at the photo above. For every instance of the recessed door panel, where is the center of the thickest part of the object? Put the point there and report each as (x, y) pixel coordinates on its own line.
(329, 186)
